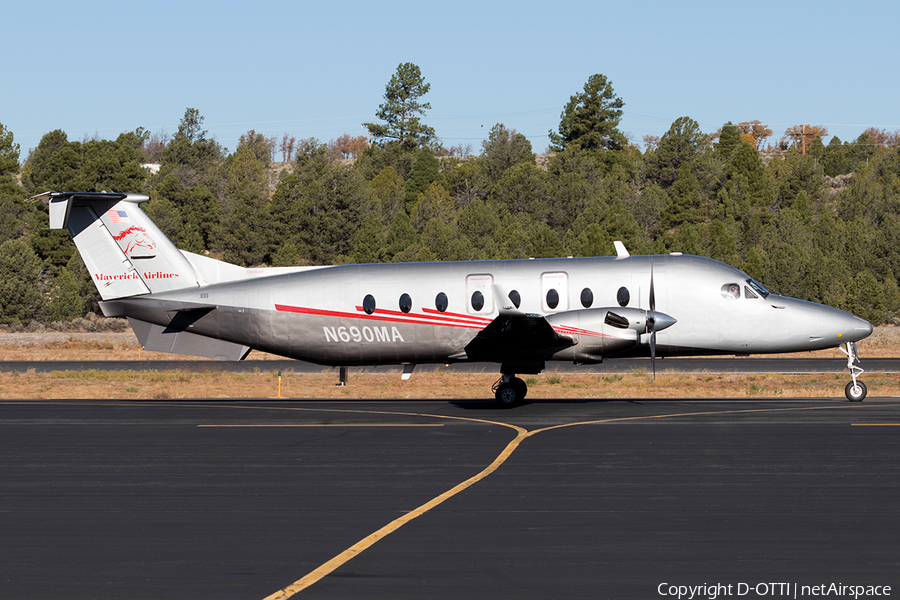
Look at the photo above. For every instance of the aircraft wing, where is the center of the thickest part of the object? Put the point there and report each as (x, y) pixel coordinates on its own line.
(514, 337)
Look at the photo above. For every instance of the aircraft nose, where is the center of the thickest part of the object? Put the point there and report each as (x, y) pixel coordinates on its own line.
(846, 326)
(856, 328)
(825, 326)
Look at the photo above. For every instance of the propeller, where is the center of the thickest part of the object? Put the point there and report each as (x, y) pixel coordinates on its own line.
(656, 321)
(651, 323)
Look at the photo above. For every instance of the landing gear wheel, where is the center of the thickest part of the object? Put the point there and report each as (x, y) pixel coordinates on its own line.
(508, 395)
(856, 392)
(521, 387)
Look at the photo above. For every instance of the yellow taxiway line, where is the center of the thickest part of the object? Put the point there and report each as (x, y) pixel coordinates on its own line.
(521, 435)
(330, 425)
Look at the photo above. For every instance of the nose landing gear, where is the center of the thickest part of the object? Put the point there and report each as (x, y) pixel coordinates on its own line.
(856, 390)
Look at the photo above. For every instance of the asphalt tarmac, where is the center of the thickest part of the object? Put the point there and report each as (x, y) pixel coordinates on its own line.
(552, 499)
(619, 365)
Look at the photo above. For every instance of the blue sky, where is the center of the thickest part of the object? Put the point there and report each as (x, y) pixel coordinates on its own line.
(319, 69)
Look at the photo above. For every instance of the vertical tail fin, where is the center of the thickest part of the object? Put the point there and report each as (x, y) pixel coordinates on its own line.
(125, 252)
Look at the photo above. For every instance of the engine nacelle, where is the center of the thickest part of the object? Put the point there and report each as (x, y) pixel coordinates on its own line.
(599, 332)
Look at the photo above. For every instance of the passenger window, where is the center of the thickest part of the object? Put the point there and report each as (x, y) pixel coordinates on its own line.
(405, 303)
(552, 298)
(369, 304)
(623, 297)
(441, 302)
(515, 297)
(731, 291)
(587, 297)
(483, 301)
(555, 291)
(477, 301)
(748, 293)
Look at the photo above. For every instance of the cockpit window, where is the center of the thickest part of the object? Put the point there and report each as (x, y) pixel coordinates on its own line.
(731, 291)
(748, 293)
(758, 288)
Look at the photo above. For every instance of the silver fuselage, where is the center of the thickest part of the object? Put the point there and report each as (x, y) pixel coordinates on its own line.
(318, 315)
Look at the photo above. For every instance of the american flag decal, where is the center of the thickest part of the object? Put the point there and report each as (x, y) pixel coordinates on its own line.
(117, 216)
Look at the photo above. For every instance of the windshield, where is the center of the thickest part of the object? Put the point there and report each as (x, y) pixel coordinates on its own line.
(758, 288)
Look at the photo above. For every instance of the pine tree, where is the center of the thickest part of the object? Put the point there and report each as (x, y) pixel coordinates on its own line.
(591, 119)
(402, 110)
(729, 140)
(368, 242)
(389, 188)
(66, 302)
(479, 223)
(9, 153)
(503, 149)
(433, 203)
(426, 170)
(593, 242)
(20, 272)
(12, 208)
(745, 162)
(686, 203)
(400, 236)
(189, 146)
(681, 145)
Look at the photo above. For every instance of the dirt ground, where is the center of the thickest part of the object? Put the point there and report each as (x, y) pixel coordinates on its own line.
(136, 385)
(263, 382)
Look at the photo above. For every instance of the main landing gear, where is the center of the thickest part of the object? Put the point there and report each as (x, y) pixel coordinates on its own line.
(856, 390)
(509, 390)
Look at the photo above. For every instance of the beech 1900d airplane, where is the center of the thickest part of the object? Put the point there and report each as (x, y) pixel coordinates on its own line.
(518, 313)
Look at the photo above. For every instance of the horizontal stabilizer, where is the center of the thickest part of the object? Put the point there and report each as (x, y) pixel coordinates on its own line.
(159, 338)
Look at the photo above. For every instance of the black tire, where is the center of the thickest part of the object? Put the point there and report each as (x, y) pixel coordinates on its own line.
(521, 387)
(507, 395)
(856, 393)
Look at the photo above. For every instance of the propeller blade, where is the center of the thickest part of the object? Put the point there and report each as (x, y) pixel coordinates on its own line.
(651, 324)
(651, 314)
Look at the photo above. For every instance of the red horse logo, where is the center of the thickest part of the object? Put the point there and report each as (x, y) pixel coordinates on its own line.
(137, 242)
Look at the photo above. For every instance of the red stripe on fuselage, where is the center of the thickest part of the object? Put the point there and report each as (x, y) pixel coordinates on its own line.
(335, 313)
(577, 331)
(458, 315)
(393, 316)
(438, 316)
